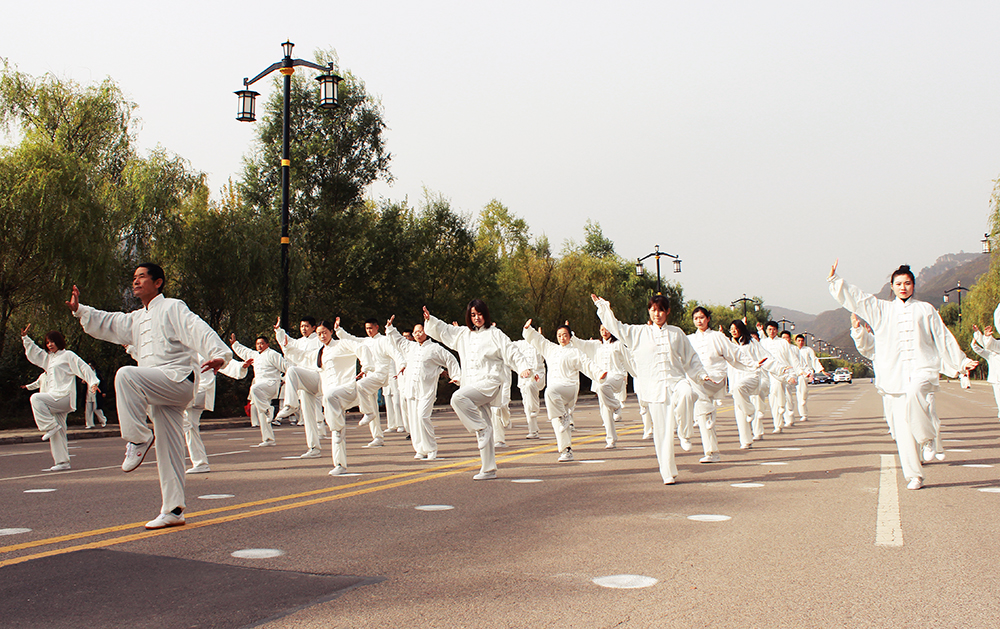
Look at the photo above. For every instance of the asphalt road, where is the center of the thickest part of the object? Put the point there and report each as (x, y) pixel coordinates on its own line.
(810, 528)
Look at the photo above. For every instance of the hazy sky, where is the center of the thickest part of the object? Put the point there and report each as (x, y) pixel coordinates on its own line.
(757, 140)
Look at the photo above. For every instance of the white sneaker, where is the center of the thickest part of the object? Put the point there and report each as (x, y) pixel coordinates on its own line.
(52, 433)
(365, 420)
(165, 520)
(431, 456)
(915, 483)
(710, 458)
(400, 429)
(565, 455)
(275, 422)
(788, 424)
(685, 444)
(374, 443)
(646, 436)
(746, 446)
(58, 467)
(485, 475)
(670, 481)
(337, 471)
(758, 437)
(199, 469)
(927, 451)
(610, 446)
(420, 457)
(312, 453)
(939, 456)
(135, 453)
(265, 444)
(500, 444)
(776, 431)
(532, 435)
(616, 416)
(286, 411)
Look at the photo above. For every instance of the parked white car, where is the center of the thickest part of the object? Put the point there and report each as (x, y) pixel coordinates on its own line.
(842, 374)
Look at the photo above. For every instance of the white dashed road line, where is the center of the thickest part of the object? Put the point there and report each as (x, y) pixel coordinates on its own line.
(888, 530)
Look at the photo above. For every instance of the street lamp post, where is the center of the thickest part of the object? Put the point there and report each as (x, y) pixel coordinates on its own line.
(957, 289)
(640, 270)
(246, 113)
(783, 321)
(746, 300)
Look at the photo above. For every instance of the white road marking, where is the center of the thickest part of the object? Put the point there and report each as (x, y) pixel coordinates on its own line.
(888, 530)
(625, 581)
(257, 553)
(709, 518)
(434, 508)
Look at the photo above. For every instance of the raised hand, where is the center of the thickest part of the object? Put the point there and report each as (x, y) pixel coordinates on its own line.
(74, 299)
(833, 269)
(24, 332)
(527, 324)
(427, 314)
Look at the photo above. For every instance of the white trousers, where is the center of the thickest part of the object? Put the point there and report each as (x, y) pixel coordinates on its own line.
(90, 410)
(607, 398)
(912, 420)
(307, 385)
(802, 396)
(530, 389)
(368, 400)
(560, 399)
(789, 413)
(335, 405)
(422, 435)
(743, 393)
(684, 397)
(261, 395)
(142, 389)
(500, 418)
(393, 405)
(664, 425)
(50, 412)
(192, 434)
(472, 405)
(996, 396)
(776, 396)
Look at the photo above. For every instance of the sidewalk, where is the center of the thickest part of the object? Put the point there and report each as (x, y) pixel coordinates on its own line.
(31, 435)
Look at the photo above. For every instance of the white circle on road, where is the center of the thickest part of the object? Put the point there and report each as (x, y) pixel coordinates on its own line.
(709, 518)
(257, 553)
(350, 474)
(953, 440)
(593, 461)
(215, 496)
(957, 450)
(14, 531)
(634, 448)
(990, 490)
(625, 581)
(38, 491)
(774, 463)
(526, 480)
(288, 458)
(434, 508)
(976, 465)
(805, 439)
(747, 485)
(235, 439)
(788, 449)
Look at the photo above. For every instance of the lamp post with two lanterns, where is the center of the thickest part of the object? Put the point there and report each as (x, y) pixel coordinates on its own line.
(957, 289)
(747, 300)
(640, 270)
(328, 82)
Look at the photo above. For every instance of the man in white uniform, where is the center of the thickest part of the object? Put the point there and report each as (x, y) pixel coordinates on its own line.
(384, 360)
(531, 386)
(781, 352)
(302, 381)
(167, 338)
(810, 365)
(268, 368)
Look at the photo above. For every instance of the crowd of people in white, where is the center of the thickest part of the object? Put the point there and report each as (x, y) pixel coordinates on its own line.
(679, 380)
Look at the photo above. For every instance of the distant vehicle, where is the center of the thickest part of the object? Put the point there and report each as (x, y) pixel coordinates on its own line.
(842, 375)
(822, 377)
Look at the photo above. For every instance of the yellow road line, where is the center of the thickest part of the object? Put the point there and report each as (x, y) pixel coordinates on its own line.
(339, 492)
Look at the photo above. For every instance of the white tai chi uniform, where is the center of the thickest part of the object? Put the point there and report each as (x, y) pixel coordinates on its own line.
(810, 365)
(500, 411)
(781, 352)
(912, 345)
(696, 400)
(647, 421)
(531, 386)
(300, 352)
(303, 385)
(418, 387)
(386, 361)
(663, 356)
(744, 385)
(166, 338)
(338, 365)
(92, 409)
(51, 405)
(204, 400)
(981, 345)
(563, 365)
(483, 354)
(269, 368)
(608, 356)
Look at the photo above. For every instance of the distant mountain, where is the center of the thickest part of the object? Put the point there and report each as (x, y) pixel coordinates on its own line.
(834, 326)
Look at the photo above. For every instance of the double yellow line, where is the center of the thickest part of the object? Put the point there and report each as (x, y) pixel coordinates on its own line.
(292, 501)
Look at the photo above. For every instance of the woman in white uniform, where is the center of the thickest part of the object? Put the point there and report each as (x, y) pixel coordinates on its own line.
(483, 352)
(62, 368)
(564, 362)
(912, 345)
(663, 356)
(981, 344)
(745, 377)
(609, 356)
